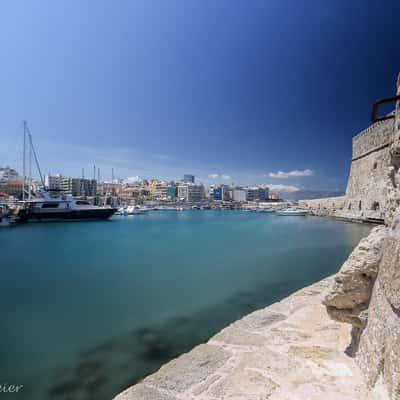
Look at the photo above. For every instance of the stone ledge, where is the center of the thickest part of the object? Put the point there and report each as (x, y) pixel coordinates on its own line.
(289, 350)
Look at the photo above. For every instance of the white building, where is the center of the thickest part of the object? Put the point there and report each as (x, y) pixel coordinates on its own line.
(74, 186)
(53, 182)
(8, 174)
(239, 195)
(191, 192)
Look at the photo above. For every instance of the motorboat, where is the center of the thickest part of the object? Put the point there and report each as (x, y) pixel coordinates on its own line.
(134, 210)
(47, 207)
(50, 205)
(292, 212)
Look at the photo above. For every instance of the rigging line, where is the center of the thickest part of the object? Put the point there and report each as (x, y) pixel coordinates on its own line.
(35, 156)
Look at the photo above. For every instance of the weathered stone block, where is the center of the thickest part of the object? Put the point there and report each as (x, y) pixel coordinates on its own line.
(190, 369)
(391, 358)
(143, 392)
(234, 335)
(389, 274)
(351, 292)
(372, 340)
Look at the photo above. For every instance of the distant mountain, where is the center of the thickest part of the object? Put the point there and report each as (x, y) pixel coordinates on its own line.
(310, 194)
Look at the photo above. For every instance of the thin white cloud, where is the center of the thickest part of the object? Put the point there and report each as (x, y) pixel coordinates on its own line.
(290, 174)
(220, 176)
(283, 188)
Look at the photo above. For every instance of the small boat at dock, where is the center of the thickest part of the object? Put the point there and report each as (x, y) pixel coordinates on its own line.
(134, 210)
(292, 212)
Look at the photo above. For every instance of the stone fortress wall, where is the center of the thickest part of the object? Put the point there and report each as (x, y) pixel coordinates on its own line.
(366, 291)
(365, 198)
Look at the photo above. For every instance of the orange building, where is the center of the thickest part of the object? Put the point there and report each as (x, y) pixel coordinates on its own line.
(12, 188)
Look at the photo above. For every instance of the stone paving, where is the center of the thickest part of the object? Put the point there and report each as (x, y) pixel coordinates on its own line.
(290, 350)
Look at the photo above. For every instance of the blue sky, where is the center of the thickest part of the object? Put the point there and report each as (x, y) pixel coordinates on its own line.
(238, 89)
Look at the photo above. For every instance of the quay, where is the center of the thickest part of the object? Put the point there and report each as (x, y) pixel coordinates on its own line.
(291, 348)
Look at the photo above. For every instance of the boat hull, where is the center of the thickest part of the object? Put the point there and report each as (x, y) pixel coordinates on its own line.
(69, 215)
(292, 214)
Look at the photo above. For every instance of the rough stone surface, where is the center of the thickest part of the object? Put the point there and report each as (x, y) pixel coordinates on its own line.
(190, 369)
(352, 288)
(290, 350)
(389, 276)
(379, 348)
(145, 392)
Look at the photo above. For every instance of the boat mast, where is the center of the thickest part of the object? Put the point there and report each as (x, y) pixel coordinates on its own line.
(30, 170)
(33, 152)
(23, 164)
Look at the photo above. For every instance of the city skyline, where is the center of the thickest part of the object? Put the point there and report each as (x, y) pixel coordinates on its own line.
(267, 93)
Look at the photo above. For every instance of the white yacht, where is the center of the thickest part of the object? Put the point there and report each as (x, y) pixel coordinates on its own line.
(134, 210)
(292, 211)
(47, 207)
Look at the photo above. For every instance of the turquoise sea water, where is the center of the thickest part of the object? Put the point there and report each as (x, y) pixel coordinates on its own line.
(88, 308)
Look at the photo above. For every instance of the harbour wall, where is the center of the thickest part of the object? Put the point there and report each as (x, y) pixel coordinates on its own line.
(366, 291)
(366, 192)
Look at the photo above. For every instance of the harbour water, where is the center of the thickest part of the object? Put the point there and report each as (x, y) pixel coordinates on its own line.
(89, 308)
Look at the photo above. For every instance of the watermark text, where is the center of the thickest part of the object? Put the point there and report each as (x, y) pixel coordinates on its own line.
(9, 388)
